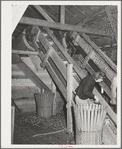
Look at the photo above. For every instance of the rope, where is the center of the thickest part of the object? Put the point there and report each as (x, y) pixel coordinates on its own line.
(49, 133)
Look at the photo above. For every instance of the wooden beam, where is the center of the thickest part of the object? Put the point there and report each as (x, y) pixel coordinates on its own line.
(34, 78)
(24, 52)
(42, 12)
(62, 18)
(60, 26)
(69, 97)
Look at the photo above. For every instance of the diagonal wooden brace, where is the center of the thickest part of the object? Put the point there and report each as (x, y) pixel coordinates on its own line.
(87, 59)
(49, 52)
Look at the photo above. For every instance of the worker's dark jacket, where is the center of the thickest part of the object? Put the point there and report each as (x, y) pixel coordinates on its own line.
(85, 88)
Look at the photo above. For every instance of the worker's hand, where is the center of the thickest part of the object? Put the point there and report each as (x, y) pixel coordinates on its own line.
(113, 102)
(96, 99)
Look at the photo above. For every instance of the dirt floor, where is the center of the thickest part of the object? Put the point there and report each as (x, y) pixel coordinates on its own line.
(32, 129)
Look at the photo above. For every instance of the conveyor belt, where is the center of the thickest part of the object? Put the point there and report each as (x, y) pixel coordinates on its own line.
(53, 60)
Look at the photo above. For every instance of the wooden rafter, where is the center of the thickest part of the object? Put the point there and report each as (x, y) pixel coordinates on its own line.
(55, 25)
(24, 52)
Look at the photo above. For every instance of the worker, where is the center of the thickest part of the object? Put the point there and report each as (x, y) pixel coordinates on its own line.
(84, 93)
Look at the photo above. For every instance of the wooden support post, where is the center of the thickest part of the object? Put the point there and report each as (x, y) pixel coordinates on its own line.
(12, 123)
(53, 88)
(69, 97)
(62, 14)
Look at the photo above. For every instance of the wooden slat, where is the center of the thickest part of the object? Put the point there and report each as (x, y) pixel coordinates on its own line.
(16, 59)
(49, 53)
(24, 52)
(56, 25)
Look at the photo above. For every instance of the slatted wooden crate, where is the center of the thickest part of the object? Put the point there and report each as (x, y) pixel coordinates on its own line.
(89, 123)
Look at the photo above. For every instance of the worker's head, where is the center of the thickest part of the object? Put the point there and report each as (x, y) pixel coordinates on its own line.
(99, 76)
